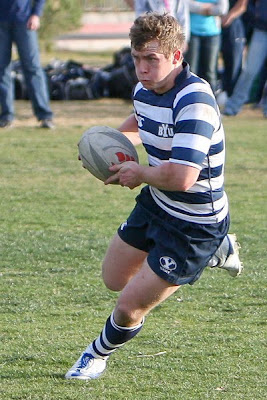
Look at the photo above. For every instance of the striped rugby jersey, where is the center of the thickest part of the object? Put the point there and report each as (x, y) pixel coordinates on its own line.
(183, 126)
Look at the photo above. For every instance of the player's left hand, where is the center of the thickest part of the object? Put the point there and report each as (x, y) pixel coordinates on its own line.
(126, 174)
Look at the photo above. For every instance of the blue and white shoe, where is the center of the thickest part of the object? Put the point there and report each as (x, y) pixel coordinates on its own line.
(87, 367)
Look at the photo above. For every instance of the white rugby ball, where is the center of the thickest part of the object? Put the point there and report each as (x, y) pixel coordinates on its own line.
(103, 146)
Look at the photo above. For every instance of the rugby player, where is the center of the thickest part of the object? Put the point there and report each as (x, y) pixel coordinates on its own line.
(180, 222)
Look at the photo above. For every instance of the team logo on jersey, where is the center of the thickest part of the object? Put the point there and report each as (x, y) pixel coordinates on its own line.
(167, 264)
(123, 225)
(165, 131)
(140, 121)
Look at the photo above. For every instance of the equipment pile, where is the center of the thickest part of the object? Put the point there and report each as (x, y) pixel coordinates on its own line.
(71, 80)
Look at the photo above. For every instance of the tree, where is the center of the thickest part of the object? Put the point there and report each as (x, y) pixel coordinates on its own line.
(59, 16)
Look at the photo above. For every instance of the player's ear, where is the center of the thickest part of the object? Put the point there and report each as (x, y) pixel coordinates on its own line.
(177, 56)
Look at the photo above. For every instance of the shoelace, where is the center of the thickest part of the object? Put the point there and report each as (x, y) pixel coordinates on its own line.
(85, 361)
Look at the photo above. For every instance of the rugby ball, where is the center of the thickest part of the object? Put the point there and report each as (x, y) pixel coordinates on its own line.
(101, 147)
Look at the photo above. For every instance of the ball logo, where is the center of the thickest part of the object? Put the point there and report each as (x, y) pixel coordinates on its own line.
(124, 157)
(167, 264)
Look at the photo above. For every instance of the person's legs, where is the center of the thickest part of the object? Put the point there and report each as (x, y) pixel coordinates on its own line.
(193, 53)
(177, 253)
(256, 57)
(28, 49)
(209, 59)
(233, 43)
(264, 100)
(116, 271)
(141, 293)
(6, 87)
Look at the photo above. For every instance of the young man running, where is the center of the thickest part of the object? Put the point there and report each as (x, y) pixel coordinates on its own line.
(180, 222)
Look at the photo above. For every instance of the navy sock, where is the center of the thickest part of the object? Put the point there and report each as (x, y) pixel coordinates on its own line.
(112, 337)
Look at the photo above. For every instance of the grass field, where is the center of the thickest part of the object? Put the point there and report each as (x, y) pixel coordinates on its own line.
(205, 342)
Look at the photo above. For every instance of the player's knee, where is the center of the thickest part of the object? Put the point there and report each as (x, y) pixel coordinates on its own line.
(112, 284)
(127, 315)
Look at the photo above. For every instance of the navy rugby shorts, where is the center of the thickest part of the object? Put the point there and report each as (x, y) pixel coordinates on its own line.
(178, 250)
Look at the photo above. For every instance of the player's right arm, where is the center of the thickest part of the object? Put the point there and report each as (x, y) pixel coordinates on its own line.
(130, 129)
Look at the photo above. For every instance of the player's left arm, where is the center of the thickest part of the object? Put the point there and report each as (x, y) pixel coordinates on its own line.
(170, 176)
(167, 176)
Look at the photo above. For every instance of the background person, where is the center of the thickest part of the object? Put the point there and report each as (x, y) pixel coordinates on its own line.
(181, 216)
(178, 8)
(233, 44)
(19, 22)
(255, 60)
(205, 38)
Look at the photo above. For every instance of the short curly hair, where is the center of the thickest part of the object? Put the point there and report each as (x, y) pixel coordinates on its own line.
(161, 27)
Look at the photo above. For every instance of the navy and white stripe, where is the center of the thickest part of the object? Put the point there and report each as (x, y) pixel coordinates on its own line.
(112, 337)
(183, 126)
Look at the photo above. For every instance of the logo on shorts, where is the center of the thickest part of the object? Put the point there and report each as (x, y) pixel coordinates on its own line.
(123, 225)
(167, 264)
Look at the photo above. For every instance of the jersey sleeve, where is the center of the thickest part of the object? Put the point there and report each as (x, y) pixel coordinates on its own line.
(195, 121)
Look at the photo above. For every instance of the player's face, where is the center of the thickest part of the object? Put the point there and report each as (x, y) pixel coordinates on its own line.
(153, 69)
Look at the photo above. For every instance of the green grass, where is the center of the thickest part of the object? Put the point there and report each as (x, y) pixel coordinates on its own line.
(205, 342)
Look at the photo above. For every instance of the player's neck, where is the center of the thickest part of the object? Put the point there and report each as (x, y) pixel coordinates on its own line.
(169, 81)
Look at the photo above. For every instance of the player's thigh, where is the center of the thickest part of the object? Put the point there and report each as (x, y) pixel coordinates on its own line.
(121, 263)
(142, 293)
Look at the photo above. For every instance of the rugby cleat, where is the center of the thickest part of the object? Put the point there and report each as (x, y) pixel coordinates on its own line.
(87, 367)
(228, 255)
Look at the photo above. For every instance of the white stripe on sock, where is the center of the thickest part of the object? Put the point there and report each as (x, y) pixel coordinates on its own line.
(125, 328)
